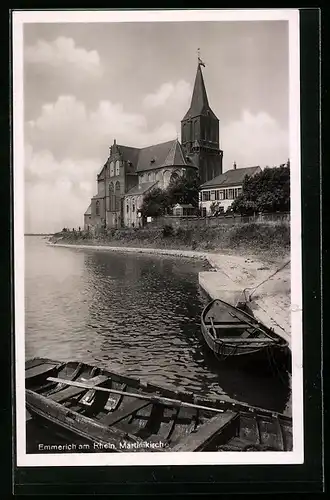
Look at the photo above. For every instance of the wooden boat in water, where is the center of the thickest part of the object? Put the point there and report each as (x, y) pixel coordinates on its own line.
(115, 413)
(231, 332)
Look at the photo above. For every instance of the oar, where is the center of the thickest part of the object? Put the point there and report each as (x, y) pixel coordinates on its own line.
(153, 399)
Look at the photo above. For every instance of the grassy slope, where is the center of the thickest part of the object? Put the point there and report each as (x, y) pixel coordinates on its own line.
(271, 239)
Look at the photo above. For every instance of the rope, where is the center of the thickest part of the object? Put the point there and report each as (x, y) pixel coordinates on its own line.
(264, 281)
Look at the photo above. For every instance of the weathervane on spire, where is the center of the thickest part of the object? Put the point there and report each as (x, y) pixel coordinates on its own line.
(200, 62)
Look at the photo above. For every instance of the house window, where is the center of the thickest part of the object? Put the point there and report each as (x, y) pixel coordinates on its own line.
(117, 167)
(231, 194)
(112, 169)
(236, 192)
(221, 195)
(206, 195)
(212, 195)
(225, 194)
(97, 208)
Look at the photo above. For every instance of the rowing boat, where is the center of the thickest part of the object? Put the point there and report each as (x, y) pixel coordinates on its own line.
(115, 413)
(234, 335)
(230, 331)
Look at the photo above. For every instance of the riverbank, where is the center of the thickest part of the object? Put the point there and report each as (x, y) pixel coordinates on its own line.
(267, 240)
(230, 275)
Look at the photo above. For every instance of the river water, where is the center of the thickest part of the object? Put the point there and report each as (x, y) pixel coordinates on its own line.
(132, 313)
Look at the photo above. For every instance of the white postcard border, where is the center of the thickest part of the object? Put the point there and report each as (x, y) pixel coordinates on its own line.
(145, 458)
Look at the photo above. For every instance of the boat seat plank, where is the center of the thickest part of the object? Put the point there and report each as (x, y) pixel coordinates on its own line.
(125, 412)
(206, 432)
(64, 394)
(76, 422)
(240, 340)
(230, 324)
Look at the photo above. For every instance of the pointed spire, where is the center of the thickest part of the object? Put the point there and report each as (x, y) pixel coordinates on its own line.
(199, 101)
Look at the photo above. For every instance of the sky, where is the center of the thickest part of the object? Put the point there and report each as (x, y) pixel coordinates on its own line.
(86, 84)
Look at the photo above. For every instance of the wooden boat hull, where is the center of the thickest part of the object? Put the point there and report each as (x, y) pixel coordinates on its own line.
(89, 415)
(266, 346)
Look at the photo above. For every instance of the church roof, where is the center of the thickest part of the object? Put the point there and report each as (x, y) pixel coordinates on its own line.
(141, 188)
(175, 156)
(129, 153)
(169, 153)
(232, 177)
(199, 101)
(89, 210)
(153, 156)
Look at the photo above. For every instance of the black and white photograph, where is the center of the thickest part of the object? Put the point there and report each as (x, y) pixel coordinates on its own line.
(158, 289)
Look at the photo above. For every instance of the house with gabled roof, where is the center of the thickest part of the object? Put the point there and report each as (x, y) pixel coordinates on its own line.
(129, 173)
(221, 191)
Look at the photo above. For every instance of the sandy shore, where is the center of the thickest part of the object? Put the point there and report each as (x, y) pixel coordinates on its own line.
(231, 274)
(270, 302)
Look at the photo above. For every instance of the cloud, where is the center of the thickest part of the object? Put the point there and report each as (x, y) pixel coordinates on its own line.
(66, 145)
(255, 139)
(57, 193)
(67, 129)
(64, 52)
(169, 94)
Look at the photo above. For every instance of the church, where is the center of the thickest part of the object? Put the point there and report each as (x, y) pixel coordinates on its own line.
(129, 173)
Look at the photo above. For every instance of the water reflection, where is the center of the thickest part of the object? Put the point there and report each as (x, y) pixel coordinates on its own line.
(133, 313)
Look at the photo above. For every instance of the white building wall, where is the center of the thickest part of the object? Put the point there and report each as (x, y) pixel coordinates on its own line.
(215, 197)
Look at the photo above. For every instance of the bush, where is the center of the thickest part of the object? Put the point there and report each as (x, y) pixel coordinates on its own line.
(168, 231)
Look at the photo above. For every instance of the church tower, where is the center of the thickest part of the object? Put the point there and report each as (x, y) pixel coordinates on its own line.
(200, 132)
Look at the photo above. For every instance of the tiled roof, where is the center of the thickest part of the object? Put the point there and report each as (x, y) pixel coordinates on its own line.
(129, 153)
(89, 210)
(168, 153)
(232, 177)
(199, 101)
(141, 188)
(176, 156)
(154, 156)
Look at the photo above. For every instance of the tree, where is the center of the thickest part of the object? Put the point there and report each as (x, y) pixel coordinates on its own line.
(184, 190)
(267, 191)
(155, 203)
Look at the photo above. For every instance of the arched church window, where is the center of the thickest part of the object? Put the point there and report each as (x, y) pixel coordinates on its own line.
(195, 129)
(112, 198)
(97, 208)
(174, 177)
(117, 194)
(166, 178)
(149, 177)
(112, 169)
(117, 167)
